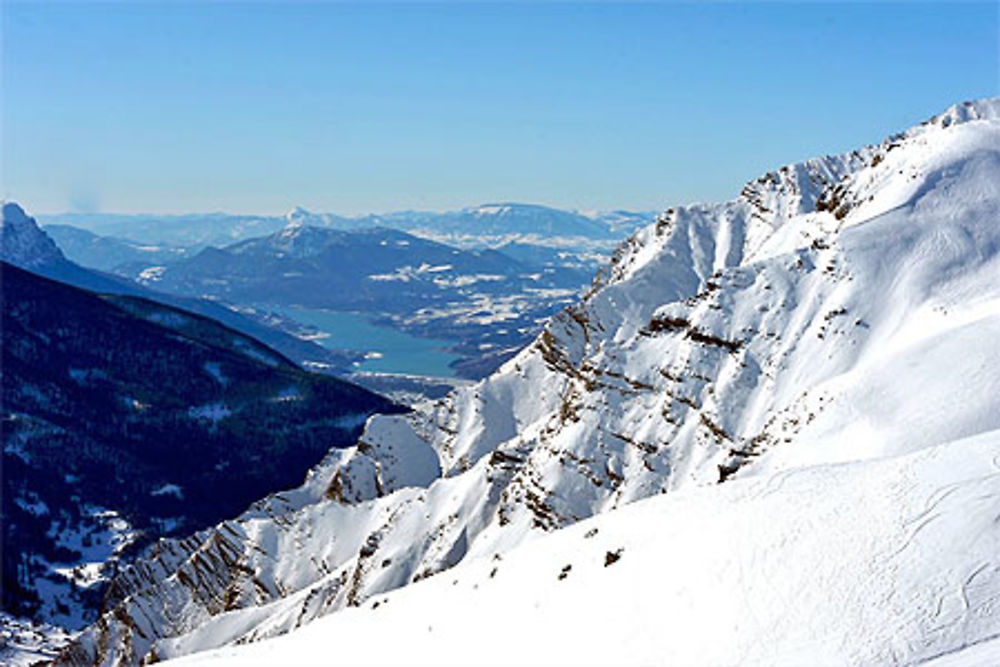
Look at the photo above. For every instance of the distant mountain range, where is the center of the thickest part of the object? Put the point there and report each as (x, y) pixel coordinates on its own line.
(191, 230)
(373, 269)
(108, 253)
(126, 420)
(492, 220)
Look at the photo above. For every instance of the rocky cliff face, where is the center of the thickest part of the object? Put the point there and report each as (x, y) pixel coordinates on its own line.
(24, 244)
(838, 309)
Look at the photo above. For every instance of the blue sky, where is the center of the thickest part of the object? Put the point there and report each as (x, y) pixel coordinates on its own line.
(176, 107)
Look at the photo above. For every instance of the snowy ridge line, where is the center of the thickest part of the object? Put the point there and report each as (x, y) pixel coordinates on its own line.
(754, 337)
(794, 189)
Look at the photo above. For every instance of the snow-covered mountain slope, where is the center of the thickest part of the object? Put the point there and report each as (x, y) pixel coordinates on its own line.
(888, 561)
(24, 244)
(840, 309)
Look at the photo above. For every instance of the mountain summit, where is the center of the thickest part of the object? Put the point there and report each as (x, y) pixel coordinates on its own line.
(298, 217)
(23, 243)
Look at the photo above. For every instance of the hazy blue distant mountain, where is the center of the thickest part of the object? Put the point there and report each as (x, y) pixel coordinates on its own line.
(195, 229)
(622, 223)
(499, 219)
(108, 252)
(488, 220)
(492, 220)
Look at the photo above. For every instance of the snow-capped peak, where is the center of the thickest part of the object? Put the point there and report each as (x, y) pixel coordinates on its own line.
(964, 112)
(23, 242)
(13, 214)
(297, 217)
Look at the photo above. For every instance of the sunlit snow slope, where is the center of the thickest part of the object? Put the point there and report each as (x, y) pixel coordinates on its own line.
(877, 562)
(842, 309)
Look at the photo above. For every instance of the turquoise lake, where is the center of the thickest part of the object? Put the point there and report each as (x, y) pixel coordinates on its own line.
(400, 352)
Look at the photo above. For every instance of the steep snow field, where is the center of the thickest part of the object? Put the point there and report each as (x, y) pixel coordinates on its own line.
(887, 561)
(827, 344)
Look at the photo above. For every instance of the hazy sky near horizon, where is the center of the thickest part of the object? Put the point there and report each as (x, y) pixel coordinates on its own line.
(351, 108)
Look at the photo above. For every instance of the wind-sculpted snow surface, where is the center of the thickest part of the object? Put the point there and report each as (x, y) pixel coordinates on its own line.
(840, 309)
(891, 561)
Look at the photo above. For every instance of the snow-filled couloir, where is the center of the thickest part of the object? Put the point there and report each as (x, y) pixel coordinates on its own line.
(843, 309)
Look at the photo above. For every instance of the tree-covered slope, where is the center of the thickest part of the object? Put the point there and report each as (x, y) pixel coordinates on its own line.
(125, 420)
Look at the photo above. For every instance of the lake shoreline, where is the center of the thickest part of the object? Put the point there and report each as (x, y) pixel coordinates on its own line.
(386, 349)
